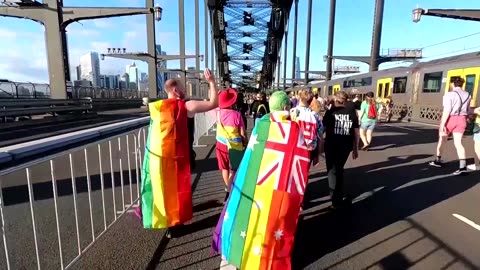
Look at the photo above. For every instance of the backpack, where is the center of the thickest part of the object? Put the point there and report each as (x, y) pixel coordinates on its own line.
(372, 111)
(264, 109)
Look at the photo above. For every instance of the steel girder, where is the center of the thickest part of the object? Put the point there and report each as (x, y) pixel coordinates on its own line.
(247, 45)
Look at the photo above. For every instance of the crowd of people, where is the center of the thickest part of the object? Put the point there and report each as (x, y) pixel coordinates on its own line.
(266, 174)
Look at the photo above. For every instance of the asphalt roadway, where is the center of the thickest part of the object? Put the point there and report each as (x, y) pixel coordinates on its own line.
(405, 215)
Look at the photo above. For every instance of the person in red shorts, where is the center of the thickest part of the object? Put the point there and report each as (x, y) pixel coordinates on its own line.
(456, 106)
(231, 137)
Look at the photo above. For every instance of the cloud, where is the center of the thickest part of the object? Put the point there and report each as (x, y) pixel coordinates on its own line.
(83, 32)
(23, 51)
(103, 23)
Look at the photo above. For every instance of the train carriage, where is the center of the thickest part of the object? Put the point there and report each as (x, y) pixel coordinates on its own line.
(416, 90)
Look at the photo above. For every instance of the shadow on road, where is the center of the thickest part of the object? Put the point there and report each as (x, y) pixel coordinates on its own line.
(390, 200)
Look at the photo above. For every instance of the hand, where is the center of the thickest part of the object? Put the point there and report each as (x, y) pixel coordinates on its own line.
(443, 129)
(355, 153)
(209, 76)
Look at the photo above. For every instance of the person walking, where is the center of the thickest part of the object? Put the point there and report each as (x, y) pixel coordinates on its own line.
(456, 106)
(231, 137)
(369, 113)
(341, 139)
(260, 107)
(166, 195)
(310, 124)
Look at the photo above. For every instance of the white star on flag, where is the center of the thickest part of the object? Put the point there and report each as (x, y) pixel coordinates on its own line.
(278, 234)
(243, 234)
(225, 218)
(256, 251)
(253, 141)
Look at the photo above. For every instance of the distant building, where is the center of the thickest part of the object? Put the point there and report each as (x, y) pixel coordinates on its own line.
(78, 69)
(90, 68)
(162, 76)
(124, 80)
(82, 83)
(133, 75)
(297, 68)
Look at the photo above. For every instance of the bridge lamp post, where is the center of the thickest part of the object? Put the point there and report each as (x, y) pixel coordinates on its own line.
(417, 14)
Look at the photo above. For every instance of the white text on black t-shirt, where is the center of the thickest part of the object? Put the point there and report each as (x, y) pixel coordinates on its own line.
(343, 124)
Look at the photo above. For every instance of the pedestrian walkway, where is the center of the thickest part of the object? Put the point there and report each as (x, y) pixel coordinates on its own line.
(405, 214)
(402, 216)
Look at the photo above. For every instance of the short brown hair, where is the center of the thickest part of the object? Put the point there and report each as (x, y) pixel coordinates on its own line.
(457, 81)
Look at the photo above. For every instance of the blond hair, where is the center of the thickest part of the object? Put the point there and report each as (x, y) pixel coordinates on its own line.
(316, 106)
(305, 95)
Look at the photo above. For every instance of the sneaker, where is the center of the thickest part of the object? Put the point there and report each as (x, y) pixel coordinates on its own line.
(436, 163)
(460, 171)
(472, 167)
(344, 203)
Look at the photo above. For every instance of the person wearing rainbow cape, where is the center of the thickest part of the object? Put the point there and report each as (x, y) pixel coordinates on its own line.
(166, 185)
(258, 223)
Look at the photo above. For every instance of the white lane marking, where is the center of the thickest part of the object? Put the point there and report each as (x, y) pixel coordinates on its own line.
(367, 194)
(423, 180)
(318, 178)
(405, 128)
(468, 221)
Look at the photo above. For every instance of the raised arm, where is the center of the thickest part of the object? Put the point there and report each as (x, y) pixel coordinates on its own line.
(197, 106)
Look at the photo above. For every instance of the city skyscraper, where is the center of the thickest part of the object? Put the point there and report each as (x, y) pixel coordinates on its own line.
(90, 68)
(124, 81)
(78, 69)
(134, 76)
(162, 65)
(297, 68)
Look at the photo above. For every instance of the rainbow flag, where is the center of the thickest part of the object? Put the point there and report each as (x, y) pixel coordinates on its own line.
(166, 187)
(258, 224)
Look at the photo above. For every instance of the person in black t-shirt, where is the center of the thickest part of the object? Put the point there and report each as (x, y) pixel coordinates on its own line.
(341, 138)
(260, 107)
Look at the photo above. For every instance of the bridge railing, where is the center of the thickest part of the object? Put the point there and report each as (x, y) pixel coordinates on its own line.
(10, 89)
(54, 208)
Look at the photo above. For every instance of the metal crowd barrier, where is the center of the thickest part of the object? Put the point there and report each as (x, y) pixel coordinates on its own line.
(53, 209)
(26, 107)
(28, 90)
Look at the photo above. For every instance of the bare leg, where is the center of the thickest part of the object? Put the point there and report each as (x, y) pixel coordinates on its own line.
(363, 137)
(441, 142)
(457, 140)
(226, 177)
(369, 136)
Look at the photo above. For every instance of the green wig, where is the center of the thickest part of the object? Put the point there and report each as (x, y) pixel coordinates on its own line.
(278, 101)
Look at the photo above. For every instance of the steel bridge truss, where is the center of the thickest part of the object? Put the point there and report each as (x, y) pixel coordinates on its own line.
(248, 35)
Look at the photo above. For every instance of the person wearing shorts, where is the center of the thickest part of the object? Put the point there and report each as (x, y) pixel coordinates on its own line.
(231, 137)
(368, 122)
(456, 105)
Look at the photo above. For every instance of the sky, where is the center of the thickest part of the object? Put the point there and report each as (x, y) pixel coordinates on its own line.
(23, 54)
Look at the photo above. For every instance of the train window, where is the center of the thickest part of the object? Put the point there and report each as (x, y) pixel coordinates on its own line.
(400, 85)
(330, 91)
(366, 81)
(470, 83)
(346, 84)
(432, 82)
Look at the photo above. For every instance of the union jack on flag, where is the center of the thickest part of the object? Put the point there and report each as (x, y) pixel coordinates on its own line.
(291, 160)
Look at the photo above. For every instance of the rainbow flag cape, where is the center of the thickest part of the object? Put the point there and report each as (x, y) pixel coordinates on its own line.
(166, 187)
(258, 224)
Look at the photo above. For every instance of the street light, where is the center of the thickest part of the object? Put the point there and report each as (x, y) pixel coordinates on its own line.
(417, 14)
(158, 13)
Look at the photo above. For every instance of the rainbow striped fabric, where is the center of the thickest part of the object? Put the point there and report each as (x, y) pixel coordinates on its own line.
(166, 184)
(258, 224)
